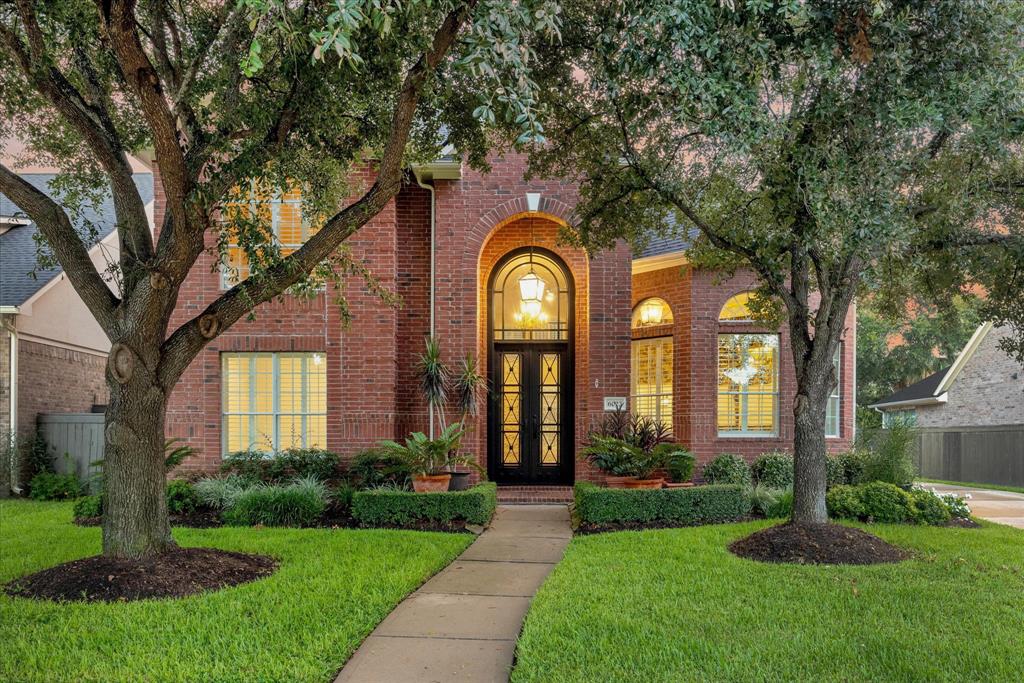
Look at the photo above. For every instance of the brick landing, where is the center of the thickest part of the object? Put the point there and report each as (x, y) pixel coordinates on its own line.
(536, 495)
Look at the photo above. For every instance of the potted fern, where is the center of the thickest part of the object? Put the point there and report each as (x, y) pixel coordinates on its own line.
(430, 460)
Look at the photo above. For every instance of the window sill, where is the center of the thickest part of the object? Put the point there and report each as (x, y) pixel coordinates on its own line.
(748, 435)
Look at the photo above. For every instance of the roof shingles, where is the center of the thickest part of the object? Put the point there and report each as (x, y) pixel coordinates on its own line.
(20, 277)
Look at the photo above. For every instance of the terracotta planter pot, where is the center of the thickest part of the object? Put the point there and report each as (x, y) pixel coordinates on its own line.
(644, 483)
(430, 483)
(678, 485)
(613, 482)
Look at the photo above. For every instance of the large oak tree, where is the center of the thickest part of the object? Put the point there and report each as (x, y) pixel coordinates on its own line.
(227, 93)
(833, 147)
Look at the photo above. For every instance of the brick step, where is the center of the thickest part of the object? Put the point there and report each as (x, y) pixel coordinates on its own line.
(537, 495)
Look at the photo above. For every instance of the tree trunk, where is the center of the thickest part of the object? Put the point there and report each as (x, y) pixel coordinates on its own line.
(135, 520)
(809, 466)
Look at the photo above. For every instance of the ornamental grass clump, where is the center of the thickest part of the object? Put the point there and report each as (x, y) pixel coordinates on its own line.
(298, 504)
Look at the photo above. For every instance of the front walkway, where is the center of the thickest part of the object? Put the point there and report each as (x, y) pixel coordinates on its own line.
(462, 625)
(1004, 507)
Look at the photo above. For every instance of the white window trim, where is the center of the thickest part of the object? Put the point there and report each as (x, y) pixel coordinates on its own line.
(658, 343)
(275, 202)
(733, 434)
(276, 413)
(837, 361)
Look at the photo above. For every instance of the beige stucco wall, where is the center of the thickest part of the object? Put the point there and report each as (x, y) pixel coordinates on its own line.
(57, 315)
(988, 392)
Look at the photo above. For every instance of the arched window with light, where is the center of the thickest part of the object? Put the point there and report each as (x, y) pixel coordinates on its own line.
(651, 360)
(748, 375)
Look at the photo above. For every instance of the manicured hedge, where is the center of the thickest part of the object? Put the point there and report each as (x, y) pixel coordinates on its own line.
(383, 507)
(685, 506)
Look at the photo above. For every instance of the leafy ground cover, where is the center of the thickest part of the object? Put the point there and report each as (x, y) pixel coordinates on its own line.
(676, 605)
(991, 487)
(300, 624)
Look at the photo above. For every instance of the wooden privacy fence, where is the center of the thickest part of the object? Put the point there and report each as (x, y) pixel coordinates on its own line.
(985, 455)
(74, 440)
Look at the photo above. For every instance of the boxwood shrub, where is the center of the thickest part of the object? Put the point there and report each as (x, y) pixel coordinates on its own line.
(282, 466)
(386, 507)
(684, 506)
(727, 468)
(773, 469)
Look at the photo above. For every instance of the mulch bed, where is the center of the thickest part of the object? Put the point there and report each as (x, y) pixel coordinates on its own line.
(454, 527)
(585, 528)
(199, 519)
(959, 523)
(209, 519)
(174, 574)
(817, 544)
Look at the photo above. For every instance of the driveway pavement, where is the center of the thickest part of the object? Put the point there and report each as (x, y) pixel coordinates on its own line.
(1003, 507)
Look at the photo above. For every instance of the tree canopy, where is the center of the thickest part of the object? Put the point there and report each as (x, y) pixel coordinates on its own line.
(835, 148)
(227, 96)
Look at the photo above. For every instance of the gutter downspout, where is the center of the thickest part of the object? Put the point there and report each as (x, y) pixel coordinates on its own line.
(430, 189)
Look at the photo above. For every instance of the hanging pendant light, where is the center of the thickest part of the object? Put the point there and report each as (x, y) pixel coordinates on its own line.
(531, 294)
(651, 313)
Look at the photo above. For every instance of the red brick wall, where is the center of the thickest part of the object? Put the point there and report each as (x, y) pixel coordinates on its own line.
(478, 221)
(696, 298)
(372, 391)
(53, 379)
(361, 360)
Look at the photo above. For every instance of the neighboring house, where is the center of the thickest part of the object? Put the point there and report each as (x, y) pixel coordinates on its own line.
(562, 336)
(52, 351)
(984, 387)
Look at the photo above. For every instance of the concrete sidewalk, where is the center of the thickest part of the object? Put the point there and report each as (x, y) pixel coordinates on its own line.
(1004, 507)
(462, 624)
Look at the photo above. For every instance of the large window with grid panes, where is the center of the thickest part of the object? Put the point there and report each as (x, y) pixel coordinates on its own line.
(651, 374)
(748, 384)
(274, 217)
(274, 401)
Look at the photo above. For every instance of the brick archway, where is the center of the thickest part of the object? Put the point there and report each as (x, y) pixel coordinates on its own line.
(538, 229)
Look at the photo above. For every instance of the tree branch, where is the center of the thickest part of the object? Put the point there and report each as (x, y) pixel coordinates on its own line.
(183, 345)
(66, 245)
(90, 120)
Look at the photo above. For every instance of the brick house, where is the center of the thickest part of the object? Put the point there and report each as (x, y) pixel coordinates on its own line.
(52, 351)
(562, 336)
(984, 387)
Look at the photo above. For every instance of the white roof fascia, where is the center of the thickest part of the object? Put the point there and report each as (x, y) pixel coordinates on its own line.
(652, 263)
(910, 403)
(963, 358)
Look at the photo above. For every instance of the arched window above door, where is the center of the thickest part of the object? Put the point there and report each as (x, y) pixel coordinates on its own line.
(651, 312)
(530, 298)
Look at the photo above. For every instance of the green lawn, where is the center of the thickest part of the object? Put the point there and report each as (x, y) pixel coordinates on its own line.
(991, 487)
(675, 605)
(300, 624)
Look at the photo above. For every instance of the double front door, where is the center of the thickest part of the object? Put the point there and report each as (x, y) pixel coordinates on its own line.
(530, 416)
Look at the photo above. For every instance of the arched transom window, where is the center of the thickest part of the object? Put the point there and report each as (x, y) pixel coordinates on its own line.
(651, 312)
(736, 309)
(530, 299)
